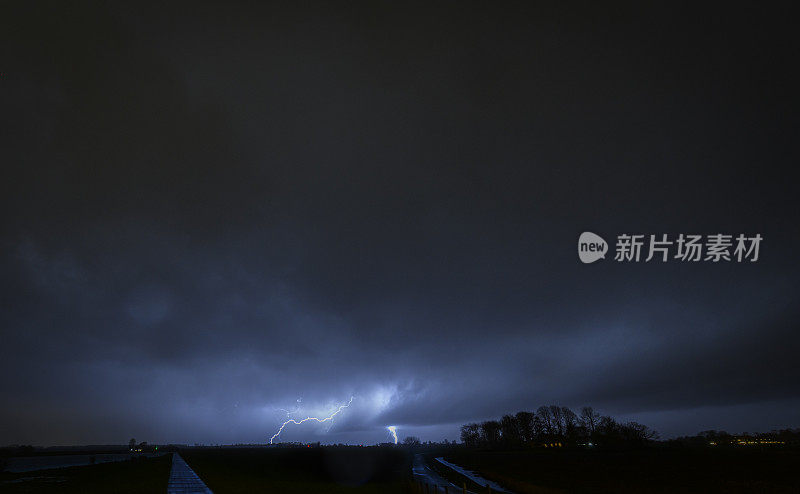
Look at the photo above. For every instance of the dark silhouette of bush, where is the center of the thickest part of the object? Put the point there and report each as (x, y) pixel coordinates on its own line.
(411, 441)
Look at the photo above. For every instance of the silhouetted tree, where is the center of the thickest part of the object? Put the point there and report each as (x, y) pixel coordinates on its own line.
(557, 424)
(589, 420)
(557, 419)
(538, 428)
(471, 434)
(509, 431)
(609, 432)
(546, 419)
(570, 424)
(634, 432)
(607, 426)
(490, 432)
(411, 441)
(525, 426)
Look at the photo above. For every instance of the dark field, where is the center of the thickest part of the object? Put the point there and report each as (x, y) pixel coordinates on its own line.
(143, 475)
(652, 470)
(315, 470)
(386, 470)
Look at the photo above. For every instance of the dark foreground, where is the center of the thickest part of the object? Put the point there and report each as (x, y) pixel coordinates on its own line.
(388, 470)
(133, 476)
(301, 470)
(234, 470)
(650, 470)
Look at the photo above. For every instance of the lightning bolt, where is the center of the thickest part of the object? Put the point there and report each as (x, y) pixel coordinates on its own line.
(393, 431)
(329, 418)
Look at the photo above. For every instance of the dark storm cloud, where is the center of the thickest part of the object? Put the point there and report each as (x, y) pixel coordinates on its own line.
(212, 212)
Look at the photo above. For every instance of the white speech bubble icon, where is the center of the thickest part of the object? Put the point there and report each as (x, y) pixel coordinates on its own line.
(591, 247)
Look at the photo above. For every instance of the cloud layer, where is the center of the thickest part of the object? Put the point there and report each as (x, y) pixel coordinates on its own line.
(212, 213)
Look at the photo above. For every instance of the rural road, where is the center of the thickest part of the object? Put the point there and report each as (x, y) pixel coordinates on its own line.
(183, 480)
(423, 473)
(472, 476)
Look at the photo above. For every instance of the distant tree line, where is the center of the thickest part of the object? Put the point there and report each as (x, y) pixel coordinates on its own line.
(722, 439)
(555, 425)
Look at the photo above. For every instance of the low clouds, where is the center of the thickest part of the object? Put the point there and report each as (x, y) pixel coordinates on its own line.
(207, 221)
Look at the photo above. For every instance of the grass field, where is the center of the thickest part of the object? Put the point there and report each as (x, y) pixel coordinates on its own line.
(301, 470)
(386, 470)
(144, 475)
(652, 470)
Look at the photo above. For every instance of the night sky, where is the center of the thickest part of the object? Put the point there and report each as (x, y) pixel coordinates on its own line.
(211, 213)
